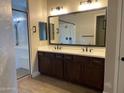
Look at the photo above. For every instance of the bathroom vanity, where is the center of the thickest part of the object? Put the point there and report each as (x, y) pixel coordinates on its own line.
(83, 66)
(83, 69)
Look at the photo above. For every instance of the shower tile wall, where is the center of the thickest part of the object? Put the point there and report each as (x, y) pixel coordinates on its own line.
(21, 39)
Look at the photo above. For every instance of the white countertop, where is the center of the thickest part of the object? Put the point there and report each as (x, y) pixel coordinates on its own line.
(95, 53)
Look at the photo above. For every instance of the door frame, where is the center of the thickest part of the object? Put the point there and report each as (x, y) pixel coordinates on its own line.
(28, 34)
(121, 31)
(114, 12)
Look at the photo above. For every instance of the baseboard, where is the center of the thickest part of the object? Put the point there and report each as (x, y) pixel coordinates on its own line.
(35, 74)
(26, 77)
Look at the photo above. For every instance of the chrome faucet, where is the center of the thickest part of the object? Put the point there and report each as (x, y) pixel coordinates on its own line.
(86, 49)
(83, 49)
(90, 50)
(58, 47)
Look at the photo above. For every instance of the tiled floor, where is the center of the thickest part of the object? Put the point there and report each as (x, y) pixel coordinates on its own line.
(21, 72)
(43, 84)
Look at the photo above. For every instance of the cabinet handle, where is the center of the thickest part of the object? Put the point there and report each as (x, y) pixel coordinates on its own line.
(68, 58)
(122, 59)
(59, 56)
(41, 54)
(97, 61)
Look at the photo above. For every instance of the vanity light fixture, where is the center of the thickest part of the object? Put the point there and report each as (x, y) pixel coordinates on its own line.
(58, 10)
(87, 1)
(89, 4)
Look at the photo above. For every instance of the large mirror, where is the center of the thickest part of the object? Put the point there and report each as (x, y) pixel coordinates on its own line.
(81, 28)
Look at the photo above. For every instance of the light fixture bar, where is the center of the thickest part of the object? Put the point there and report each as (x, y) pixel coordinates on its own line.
(86, 1)
(89, 1)
(57, 8)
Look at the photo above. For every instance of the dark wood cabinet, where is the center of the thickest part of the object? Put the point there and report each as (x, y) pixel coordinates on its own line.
(71, 69)
(88, 71)
(51, 64)
(94, 73)
(82, 61)
(46, 61)
(58, 66)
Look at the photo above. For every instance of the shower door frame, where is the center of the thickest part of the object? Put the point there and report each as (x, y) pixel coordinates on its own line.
(28, 34)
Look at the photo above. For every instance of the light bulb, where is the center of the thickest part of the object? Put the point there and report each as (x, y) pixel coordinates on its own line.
(89, 6)
(58, 12)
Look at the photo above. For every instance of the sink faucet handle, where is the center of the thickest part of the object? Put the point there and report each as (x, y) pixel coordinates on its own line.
(60, 47)
(90, 50)
(86, 49)
(82, 49)
(55, 47)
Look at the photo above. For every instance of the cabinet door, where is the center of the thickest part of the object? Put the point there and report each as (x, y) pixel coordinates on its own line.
(41, 60)
(58, 66)
(45, 63)
(94, 73)
(82, 60)
(71, 69)
(49, 59)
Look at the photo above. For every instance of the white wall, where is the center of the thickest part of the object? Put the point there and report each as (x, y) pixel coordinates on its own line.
(113, 39)
(7, 51)
(37, 13)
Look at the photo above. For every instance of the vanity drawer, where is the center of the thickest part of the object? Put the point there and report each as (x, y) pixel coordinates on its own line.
(97, 61)
(59, 56)
(68, 57)
(81, 59)
(51, 55)
(41, 53)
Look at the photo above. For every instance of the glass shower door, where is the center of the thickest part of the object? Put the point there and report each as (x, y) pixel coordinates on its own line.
(20, 30)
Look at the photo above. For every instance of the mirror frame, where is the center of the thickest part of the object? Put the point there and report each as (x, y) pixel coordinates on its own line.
(76, 13)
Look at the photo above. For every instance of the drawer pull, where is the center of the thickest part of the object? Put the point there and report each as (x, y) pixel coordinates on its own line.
(122, 59)
(68, 57)
(59, 56)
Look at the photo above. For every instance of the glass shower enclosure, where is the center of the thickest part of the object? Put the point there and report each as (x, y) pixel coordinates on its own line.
(20, 30)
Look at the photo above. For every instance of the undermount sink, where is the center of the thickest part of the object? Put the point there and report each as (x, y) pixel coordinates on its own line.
(93, 53)
(71, 51)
